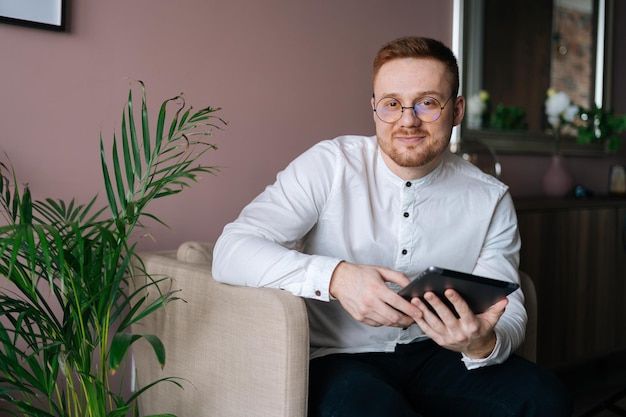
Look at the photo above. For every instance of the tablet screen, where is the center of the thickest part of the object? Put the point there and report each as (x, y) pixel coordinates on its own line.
(480, 293)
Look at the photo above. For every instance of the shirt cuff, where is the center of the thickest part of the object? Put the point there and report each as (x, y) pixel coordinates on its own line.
(318, 276)
(493, 358)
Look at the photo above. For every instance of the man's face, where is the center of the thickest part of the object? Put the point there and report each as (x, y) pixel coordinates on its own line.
(412, 148)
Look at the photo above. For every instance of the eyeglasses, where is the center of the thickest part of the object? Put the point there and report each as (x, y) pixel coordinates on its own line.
(427, 109)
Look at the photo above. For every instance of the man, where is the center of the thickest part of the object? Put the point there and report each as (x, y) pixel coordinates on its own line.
(349, 220)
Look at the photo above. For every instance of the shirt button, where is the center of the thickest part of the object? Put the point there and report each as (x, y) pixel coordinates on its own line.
(408, 183)
(406, 214)
(404, 251)
(318, 293)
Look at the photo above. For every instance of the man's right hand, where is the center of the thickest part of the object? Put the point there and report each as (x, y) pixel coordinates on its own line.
(362, 292)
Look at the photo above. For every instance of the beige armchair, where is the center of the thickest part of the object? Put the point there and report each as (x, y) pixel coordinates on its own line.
(241, 351)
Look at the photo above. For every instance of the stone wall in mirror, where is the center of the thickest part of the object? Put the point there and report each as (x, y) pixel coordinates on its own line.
(515, 53)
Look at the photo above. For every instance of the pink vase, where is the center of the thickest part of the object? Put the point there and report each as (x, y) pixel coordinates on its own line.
(557, 181)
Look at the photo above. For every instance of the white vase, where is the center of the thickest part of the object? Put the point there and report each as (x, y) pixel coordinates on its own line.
(557, 181)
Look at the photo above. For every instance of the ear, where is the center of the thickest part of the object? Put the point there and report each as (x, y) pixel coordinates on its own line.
(373, 104)
(459, 110)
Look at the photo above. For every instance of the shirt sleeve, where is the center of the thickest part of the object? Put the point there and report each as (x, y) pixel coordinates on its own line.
(260, 248)
(500, 258)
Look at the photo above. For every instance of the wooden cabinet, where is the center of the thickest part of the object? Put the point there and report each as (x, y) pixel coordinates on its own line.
(574, 251)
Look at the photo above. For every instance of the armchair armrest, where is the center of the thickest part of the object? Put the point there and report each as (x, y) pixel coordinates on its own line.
(244, 351)
(528, 349)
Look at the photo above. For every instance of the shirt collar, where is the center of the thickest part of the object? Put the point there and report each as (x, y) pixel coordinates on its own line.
(419, 182)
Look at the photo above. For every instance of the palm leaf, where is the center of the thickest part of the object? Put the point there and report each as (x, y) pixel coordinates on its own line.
(132, 135)
(118, 174)
(145, 126)
(122, 342)
(108, 185)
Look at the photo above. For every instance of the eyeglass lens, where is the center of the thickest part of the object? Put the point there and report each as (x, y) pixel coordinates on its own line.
(427, 109)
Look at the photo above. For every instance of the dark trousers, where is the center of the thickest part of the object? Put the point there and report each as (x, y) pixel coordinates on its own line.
(425, 380)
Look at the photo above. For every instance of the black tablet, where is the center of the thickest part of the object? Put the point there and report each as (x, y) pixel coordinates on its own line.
(480, 293)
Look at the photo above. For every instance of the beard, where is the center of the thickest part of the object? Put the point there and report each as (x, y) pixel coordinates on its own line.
(413, 156)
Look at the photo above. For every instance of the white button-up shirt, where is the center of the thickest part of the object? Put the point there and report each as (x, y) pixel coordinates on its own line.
(339, 201)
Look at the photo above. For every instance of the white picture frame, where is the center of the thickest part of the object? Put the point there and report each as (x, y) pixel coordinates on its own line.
(44, 14)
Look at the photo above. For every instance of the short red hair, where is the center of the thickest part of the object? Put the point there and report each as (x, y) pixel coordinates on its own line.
(419, 47)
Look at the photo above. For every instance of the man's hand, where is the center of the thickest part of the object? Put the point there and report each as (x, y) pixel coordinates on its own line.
(470, 334)
(362, 292)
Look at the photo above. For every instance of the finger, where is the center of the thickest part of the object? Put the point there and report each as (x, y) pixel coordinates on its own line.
(394, 276)
(395, 309)
(460, 305)
(399, 303)
(500, 305)
(444, 328)
(378, 312)
(493, 313)
(427, 320)
(428, 316)
(372, 323)
(391, 316)
(423, 307)
(444, 313)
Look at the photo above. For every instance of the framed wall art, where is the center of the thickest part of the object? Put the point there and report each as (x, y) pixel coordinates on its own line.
(43, 14)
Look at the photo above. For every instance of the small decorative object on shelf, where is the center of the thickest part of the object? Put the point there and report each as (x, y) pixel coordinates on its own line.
(581, 192)
(557, 181)
(617, 180)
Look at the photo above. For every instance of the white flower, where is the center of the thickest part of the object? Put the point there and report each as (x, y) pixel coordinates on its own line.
(476, 108)
(570, 113)
(559, 107)
(475, 105)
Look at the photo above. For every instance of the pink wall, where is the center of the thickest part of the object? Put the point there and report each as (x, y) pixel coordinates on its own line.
(58, 90)
(311, 59)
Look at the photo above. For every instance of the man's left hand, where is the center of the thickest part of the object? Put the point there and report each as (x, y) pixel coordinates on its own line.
(470, 334)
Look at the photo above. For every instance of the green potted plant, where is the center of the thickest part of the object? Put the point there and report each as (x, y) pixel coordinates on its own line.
(66, 314)
(601, 126)
(508, 118)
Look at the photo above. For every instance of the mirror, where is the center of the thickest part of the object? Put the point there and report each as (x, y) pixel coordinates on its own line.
(516, 50)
